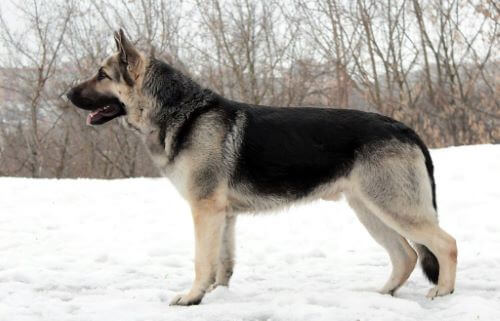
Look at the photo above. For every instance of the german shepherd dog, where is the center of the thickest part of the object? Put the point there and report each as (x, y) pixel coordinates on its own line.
(226, 157)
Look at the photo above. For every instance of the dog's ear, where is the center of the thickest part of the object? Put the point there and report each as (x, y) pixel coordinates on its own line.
(128, 54)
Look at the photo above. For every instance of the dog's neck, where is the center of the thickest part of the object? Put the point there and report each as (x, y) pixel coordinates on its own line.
(172, 99)
(171, 89)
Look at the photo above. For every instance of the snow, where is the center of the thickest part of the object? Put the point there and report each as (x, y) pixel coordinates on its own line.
(121, 249)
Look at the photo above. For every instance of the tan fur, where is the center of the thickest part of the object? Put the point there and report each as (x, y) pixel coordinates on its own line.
(209, 217)
(410, 216)
(226, 255)
(403, 257)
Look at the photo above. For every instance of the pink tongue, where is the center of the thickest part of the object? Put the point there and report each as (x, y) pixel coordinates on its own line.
(91, 116)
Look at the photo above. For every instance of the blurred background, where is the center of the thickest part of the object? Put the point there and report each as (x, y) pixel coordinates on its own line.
(432, 64)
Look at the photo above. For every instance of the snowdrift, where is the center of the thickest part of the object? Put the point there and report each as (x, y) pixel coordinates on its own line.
(120, 250)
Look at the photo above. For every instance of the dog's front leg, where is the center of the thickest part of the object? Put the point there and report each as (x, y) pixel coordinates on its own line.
(226, 257)
(208, 227)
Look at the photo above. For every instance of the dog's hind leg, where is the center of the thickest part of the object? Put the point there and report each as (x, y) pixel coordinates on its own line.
(444, 247)
(401, 254)
(226, 261)
(394, 185)
(426, 232)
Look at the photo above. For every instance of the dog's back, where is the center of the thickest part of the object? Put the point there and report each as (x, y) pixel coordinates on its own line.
(290, 151)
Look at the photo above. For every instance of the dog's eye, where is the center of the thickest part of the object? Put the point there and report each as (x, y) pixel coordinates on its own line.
(101, 75)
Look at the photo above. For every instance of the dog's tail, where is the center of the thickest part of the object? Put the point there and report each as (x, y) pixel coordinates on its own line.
(429, 263)
(428, 260)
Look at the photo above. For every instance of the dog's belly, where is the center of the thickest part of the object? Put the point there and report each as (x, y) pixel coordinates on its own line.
(250, 202)
(241, 198)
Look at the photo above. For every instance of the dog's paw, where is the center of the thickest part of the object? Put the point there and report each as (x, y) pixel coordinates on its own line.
(389, 291)
(186, 299)
(437, 291)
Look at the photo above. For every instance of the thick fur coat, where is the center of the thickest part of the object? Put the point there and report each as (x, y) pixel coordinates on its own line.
(227, 158)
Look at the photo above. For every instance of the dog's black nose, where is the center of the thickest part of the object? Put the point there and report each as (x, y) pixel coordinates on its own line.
(71, 94)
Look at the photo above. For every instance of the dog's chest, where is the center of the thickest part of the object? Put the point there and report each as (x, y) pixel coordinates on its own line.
(177, 172)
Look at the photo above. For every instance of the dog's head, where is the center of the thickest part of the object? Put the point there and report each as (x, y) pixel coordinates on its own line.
(109, 92)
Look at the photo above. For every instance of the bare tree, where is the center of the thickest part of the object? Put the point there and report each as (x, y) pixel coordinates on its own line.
(416, 61)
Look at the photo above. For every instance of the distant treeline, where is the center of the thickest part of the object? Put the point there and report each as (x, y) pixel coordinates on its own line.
(432, 64)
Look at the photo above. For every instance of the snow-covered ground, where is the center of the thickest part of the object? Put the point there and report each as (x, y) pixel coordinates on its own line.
(120, 250)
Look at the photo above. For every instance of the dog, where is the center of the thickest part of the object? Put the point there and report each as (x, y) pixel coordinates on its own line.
(226, 158)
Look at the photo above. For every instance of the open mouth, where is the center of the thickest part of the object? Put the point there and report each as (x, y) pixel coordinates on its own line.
(105, 114)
